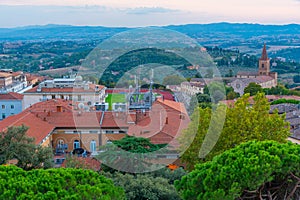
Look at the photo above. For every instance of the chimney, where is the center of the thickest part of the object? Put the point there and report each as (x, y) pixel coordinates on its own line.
(58, 108)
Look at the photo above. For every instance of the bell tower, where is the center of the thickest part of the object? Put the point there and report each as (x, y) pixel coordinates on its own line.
(264, 63)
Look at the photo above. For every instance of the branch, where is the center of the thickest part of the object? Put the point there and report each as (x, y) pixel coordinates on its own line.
(294, 190)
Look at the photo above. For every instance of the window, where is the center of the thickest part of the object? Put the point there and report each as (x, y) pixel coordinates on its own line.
(12, 106)
(76, 144)
(60, 144)
(109, 131)
(79, 97)
(53, 96)
(3, 106)
(93, 132)
(263, 66)
(93, 146)
(3, 116)
(77, 132)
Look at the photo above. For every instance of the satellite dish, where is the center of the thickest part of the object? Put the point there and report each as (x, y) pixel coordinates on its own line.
(81, 105)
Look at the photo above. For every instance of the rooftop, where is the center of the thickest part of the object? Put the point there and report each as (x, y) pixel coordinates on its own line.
(11, 96)
(161, 125)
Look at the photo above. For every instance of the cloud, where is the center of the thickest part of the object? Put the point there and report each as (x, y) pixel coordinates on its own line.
(149, 10)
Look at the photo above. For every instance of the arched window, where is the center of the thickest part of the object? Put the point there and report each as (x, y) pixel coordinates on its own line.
(60, 144)
(93, 146)
(76, 144)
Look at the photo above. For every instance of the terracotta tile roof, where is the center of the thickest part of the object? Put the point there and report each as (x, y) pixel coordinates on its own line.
(17, 73)
(114, 120)
(11, 96)
(89, 163)
(51, 105)
(5, 75)
(65, 89)
(38, 128)
(174, 105)
(30, 77)
(262, 79)
(72, 119)
(163, 124)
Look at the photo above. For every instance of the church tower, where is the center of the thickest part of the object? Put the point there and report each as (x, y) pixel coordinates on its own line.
(264, 63)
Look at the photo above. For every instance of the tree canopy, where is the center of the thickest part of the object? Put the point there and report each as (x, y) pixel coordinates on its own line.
(137, 144)
(56, 184)
(15, 144)
(253, 170)
(253, 89)
(145, 186)
(243, 122)
(130, 154)
(173, 80)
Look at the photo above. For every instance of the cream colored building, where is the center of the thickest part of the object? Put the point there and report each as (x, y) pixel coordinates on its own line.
(66, 88)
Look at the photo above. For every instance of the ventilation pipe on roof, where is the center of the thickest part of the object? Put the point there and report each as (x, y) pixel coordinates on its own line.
(58, 108)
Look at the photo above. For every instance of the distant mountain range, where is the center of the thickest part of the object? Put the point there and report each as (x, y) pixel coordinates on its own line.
(198, 31)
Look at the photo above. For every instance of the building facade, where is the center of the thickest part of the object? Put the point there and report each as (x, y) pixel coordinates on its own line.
(74, 89)
(10, 104)
(264, 77)
(12, 81)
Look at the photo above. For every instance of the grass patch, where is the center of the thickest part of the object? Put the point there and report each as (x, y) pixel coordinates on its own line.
(115, 98)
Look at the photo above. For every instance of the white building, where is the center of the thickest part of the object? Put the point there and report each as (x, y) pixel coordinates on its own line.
(65, 88)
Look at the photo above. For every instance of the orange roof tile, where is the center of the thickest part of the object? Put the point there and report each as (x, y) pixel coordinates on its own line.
(5, 75)
(65, 89)
(38, 128)
(174, 105)
(11, 96)
(89, 163)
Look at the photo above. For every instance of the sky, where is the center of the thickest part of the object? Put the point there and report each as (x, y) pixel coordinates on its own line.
(139, 13)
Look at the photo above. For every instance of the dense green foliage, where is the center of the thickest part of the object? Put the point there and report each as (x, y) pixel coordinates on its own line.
(145, 186)
(173, 80)
(56, 184)
(253, 170)
(215, 92)
(243, 123)
(280, 90)
(14, 144)
(138, 57)
(280, 101)
(130, 154)
(253, 89)
(296, 78)
(137, 145)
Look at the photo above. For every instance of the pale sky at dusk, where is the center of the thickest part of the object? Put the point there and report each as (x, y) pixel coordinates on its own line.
(146, 12)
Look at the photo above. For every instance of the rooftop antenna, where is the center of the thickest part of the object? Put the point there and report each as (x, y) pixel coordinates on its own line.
(151, 85)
